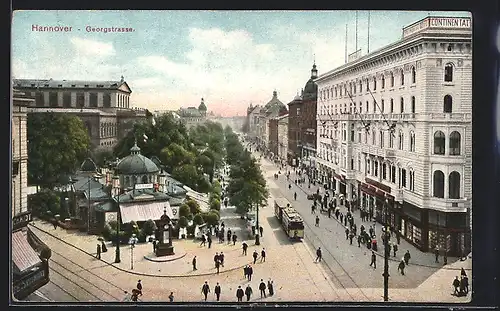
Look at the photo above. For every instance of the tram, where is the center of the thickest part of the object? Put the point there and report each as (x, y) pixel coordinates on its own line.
(290, 219)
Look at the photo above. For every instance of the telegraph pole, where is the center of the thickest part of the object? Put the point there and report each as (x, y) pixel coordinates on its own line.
(386, 252)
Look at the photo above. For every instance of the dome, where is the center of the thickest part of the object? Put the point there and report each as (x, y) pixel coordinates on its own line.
(202, 106)
(310, 90)
(297, 97)
(136, 163)
(274, 105)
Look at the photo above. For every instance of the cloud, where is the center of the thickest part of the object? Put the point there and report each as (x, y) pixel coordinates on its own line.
(89, 47)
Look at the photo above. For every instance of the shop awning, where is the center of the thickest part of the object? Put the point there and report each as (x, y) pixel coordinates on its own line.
(24, 256)
(143, 211)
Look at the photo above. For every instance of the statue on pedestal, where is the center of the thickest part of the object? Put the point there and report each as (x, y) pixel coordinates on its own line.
(164, 236)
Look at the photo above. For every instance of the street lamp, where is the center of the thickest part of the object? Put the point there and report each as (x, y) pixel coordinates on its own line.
(116, 192)
(386, 251)
(132, 241)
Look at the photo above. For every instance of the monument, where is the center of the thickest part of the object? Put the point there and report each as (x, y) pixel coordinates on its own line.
(164, 236)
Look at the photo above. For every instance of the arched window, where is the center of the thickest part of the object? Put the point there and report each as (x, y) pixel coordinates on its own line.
(336, 92)
(392, 105)
(439, 143)
(127, 181)
(413, 104)
(413, 75)
(392, 79)
(447, 104)
(383, 82)
(374, 83)
(454, 185)
(144, 179)
(381, 141)
(402, 77)
(402, 105)
(412, 141)
(448, 72)
(455, 143)
(391, 140)
(401, 140)
(382, 108)
(438, 184)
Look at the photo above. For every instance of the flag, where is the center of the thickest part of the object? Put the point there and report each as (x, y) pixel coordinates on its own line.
(145, 138)
(153, 121)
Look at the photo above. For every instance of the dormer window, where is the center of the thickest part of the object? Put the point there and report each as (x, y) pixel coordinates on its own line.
(73, 85)
(33, 84)
(59, 85)
(46, 85)
(86, 85)
(100, 85)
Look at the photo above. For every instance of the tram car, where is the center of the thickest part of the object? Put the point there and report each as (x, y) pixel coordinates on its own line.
(290, 219)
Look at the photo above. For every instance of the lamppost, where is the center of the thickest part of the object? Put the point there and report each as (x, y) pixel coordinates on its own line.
(133, 240)
(387, 235)
(116, 192)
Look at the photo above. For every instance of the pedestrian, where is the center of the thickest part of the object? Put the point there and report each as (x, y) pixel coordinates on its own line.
(407, 257)
(205, 289)
(317, 221)
(398, 237)
(216, 258)
(465, 280)
(245, 247)
(401, 267)
(261, 230)
(239, 294)
(194, 263)
(263, 255)
(295, 196)
(394, 249)
(389, 247)
(255, 254)
(54, 223)
(234, 239)
(229, 236)
(135, 295)
(462, 286)
(209, 240)
(217, 291)
(456, 284)
(462, 272)
(318, 255)
(341, 218)
(313, 208)
(346, 233)
(203, 240)
(270, 287)
(248, 292)
(436, 254)
(359, 240)
(245, 272)
(329, 212)
(374, 260)
(250, 272)
(98, 255)
(345, 221)
(217, 266)
(171, 297)
(139, 287)
(154, 246)
(221, 258)
(351, 236)
(262, 288)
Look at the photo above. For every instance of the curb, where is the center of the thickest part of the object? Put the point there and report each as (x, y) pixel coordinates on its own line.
(166, 260)
(395, 260)
(138, 273)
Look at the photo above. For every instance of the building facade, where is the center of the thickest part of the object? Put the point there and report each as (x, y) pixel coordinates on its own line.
(302, 124)
(192, 116)
(395, 133)
(273, 136)
(272, 109)
(29, 254)
(103, 106)
(283, 137)
(253, 113)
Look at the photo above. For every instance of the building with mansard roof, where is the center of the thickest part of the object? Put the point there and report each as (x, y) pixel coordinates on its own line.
(103, 106)
(395, 129)
(192, 116)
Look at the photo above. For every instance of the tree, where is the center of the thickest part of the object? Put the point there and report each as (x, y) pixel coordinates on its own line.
(57, 145)
(215, 204)
(187, 174)
(198, 219)
(210, 218)
(184, 210)
(176, 155)
(194, 207)
(149, 227)
(183, 222)
(44, 201)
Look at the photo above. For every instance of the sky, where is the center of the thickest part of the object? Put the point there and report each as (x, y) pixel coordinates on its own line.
(172, 59)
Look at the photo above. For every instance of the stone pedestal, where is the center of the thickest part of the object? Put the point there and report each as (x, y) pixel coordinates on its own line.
(164, 250)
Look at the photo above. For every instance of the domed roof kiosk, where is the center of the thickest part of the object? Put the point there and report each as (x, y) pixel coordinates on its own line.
(136, 169)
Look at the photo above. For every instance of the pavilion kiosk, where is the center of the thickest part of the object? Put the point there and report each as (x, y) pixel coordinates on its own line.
(164, 236)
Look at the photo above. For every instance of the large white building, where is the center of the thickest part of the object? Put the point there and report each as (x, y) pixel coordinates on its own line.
(283, 137)
(395, 129)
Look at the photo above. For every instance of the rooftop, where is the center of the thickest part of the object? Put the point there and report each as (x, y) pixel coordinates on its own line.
(76, 84)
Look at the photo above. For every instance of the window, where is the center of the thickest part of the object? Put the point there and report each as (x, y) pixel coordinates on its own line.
(367, 85)
(336, 92)
(412, 141)
(384, 171)
(66, 99)
(366, 137)
(144, 179)
(373, 137)
(455, 143)
(80, 100)
(39, 101)
(366, 106)
(341, 91)
(368, 166)
(352, 132)
(374, 83)
(381, 141)
(15, 168)
(402, 105)
(374, 107)
(352, 164)
(375, 168)
(391, 140)
(438, 184)
(298, 111)
(383, 82)
(402, 77)
(412, 180)
(53, 100)
(93, 100)
(106, 100)
(359, 163)
(413, 104)
(439, 143)
(448, 72)
(454, 185)
(403, 178)
(448, 104)
(392, 79)
(382, 105)
(360, 86)
(359, 137)
(413, 75)
(401, 140)
(393, 174)
(392, 105)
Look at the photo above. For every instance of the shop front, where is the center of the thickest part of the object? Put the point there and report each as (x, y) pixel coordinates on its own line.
(449, 231)
(414, 227)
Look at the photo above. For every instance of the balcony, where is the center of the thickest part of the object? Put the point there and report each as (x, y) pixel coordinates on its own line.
(390, 153)
(398, 195)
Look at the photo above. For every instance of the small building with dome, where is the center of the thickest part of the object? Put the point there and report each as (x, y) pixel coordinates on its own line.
(136, 169)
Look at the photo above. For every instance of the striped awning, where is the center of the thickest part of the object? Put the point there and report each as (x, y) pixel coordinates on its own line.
(142, 211)
(24, 256)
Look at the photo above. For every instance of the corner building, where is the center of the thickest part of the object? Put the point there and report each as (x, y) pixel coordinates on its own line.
(395, 130)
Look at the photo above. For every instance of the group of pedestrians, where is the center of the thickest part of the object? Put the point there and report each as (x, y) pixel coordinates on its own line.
(461, 286)
(240, 292)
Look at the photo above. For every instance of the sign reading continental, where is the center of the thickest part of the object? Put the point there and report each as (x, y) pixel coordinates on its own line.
(438, 22)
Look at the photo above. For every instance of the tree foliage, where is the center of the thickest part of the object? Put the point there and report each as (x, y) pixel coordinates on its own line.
(57, 145)
(194, 207)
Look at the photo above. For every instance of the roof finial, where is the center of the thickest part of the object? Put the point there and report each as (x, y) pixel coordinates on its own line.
(314, 59)
(122, 79)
